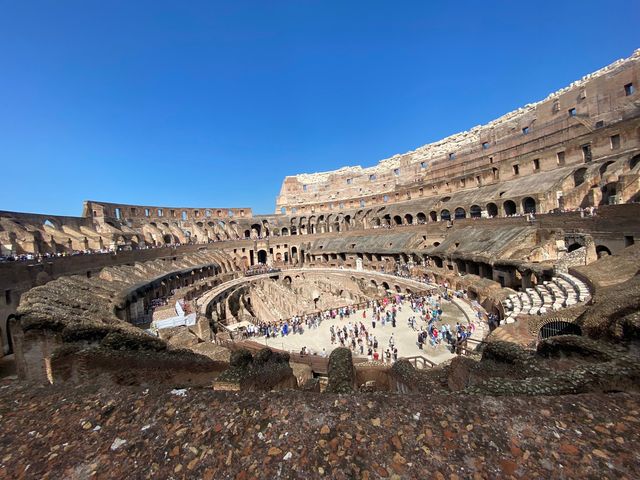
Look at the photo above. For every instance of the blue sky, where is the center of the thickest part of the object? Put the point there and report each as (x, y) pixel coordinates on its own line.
(212, 104)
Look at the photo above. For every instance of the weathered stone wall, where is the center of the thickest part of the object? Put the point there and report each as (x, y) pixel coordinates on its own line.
(342, 376)
(486, 154)
(109, 367)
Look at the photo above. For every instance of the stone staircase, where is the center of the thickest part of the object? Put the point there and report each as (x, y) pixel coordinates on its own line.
(562, 291)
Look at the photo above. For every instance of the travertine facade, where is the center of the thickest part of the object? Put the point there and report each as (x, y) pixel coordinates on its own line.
(593, 119)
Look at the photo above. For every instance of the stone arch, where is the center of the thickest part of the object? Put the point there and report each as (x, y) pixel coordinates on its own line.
(602, 251)
(284, 231)
(528, 205)
(579, 176)
(408, 219)
(556, 328)
(634, 162)
(445, 214)
(475, 211)
(460, 213)
(509, 207)
(50, 224)
(603, 168)
(421, 217)
(492, 209)
(433, 216)
(397, 220)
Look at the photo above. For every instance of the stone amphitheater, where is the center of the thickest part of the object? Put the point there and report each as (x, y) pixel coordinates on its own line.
(129, 333)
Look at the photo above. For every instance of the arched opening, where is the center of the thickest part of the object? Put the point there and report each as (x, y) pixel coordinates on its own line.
(602, 251)
(385, 285)
(408, 218)
(475, 211)
(529, 205)
(256, 228)
(492, 209)
(557, 328)
(608, 193)
(262, 257)
(294, 254)
(460, 213)
(634, 162)
(445, 215)
(284, 231)
(604, 166)
(247, 233)
(397, 220)
(421, 217)
(167, 239)
(578, 176)
(510, 207)
(433, 216)
(573, 247)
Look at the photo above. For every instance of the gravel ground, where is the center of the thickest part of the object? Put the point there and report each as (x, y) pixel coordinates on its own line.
(133, 432)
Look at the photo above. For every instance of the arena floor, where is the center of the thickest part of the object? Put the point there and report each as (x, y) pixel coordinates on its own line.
(315, 339)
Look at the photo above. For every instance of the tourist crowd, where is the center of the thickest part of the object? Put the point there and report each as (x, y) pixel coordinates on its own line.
(39, 257)
(259, 269)
(358, 334)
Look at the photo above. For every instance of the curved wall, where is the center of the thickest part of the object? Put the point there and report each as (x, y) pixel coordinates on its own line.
(536, 138)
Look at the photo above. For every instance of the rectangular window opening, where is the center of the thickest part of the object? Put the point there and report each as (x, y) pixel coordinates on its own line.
(536, 164)
(615, 142)
(572, 112)
(516, 169)
(629, 89)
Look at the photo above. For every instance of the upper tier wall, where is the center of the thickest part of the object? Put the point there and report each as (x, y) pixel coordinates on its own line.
(540, 130)
(120, 211)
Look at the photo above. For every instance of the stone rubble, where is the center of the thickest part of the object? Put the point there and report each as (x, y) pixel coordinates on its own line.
(224, 435)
